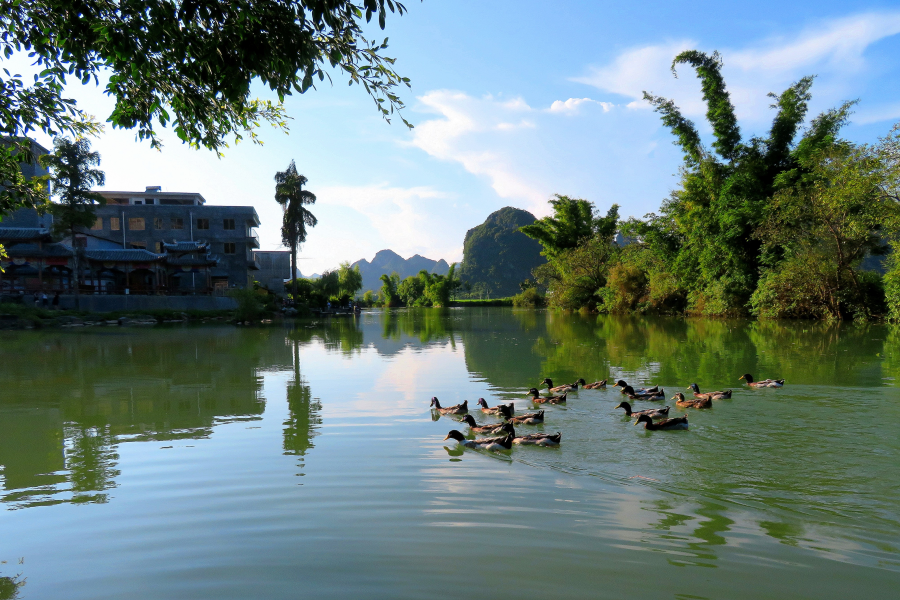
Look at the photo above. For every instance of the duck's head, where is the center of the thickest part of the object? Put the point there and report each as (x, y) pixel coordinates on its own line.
(511, 406)
(455, 435)
(481, 402)
(642, 419)
(694, 387)
(625, 405)
(533, 392)
(434, 402)
(505, 411)
(548, 381)
(581, 382)
(464, 405)
(628, 390)
(468, 420)
(620, 383)
(747, 376)
(678, 396)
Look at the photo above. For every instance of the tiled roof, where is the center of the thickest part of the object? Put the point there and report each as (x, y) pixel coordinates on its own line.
(190, 261)
(34, 250)
(132, 255)
(185, 246)
(23, 233)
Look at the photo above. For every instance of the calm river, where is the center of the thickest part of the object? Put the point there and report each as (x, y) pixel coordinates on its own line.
(303, 462)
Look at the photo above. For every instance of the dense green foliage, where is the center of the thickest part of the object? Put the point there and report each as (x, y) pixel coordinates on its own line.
(337, 287)
(497, 256)
(776, 226)
(579, 245)
(425, 289)
(72, 178)
(188, 64)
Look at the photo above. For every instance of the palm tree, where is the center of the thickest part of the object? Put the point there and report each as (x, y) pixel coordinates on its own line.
(289, 193)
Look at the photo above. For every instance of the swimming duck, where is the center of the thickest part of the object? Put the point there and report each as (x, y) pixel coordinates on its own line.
(698, 402)
(537, 399)
(537, 439)
(624, 385)
(561, 388)
(490, 428)
(674, 423)
(711, 395)
(528, 418)
(494, 443)
(457, 409)
(495, 410)
(597, 385)
(655, 413)
(765, 383)
(653, 395)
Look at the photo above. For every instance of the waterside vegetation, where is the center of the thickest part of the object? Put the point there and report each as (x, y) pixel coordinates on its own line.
(790, 225)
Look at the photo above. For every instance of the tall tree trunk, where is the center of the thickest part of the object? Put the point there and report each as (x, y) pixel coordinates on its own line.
(294, 268)
(75, 261)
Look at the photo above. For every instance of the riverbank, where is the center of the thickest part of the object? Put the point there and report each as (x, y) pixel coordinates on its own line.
(14, 316)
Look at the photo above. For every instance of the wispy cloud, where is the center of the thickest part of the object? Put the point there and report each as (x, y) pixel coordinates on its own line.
(834, 48)
(570, 106)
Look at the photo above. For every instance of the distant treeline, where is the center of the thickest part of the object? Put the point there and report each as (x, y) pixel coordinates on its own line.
(777, 226)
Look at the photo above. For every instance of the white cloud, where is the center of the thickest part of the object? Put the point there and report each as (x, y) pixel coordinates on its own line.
(834, 50)
(405, 217)
(465, 133)
(571, 105)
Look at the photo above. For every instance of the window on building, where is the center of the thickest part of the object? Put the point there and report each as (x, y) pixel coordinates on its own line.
(202, 223)
(157, 223)
(136, 224)
(98, 224)
(229, 224)
(230, 248)
(177, 223)
(139, 245)
(114, 223)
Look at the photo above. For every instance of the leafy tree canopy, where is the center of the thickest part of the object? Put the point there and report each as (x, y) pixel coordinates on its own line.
(185, 63)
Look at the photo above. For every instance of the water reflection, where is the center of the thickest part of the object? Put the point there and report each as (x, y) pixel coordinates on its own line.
(70, 399)
(303, 419)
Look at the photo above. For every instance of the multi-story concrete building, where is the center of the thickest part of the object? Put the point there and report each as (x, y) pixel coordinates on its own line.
(156, 221)
(274, 268)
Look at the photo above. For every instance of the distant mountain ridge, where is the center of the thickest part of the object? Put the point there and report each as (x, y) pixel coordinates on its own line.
(388, 261)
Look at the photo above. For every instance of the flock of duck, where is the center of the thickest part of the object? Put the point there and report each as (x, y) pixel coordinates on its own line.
(505, 435)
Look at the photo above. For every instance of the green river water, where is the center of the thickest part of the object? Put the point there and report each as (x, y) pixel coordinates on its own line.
(299, 461)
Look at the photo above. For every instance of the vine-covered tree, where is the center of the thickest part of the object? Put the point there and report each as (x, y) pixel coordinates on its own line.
(289, 193)
(72, 177)
(725, 190)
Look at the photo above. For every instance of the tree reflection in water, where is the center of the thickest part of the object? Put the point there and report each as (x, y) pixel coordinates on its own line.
(304, 411)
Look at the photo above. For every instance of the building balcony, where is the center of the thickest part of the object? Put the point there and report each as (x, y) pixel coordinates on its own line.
(253, 239)
(253, 265)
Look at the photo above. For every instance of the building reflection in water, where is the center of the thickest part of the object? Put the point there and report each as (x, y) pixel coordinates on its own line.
(71, 398)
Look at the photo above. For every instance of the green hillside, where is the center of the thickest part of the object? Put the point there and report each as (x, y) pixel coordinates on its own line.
(497, 257)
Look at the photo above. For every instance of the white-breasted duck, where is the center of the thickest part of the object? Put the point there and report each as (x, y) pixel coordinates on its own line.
(765, 383)
(493, 443)
(653, 413)
(726, 395)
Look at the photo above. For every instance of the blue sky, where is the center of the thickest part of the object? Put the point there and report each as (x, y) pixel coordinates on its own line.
(516, 100)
